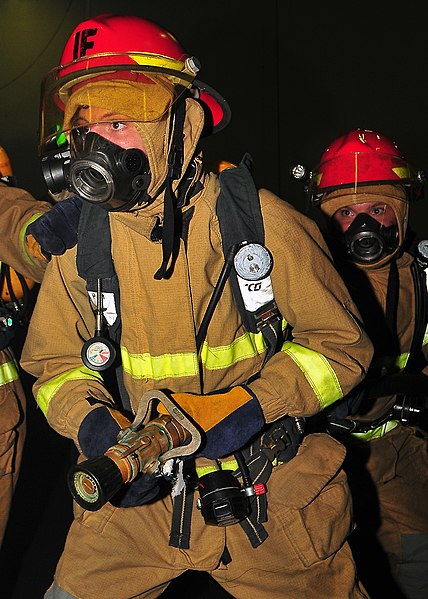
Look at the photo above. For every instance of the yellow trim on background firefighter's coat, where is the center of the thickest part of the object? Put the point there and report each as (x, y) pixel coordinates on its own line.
(378, 432)
(48, 390)
(425, 341)
(8, 372)
(401, 360)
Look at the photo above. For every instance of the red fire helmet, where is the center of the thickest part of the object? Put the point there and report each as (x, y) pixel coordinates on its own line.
(361, 157)
(126, 48)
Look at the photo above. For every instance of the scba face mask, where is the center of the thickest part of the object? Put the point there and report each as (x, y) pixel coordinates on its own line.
(367, 240)
(103, 173)
(99, 171)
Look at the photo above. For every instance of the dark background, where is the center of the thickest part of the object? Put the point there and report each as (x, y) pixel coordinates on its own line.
(296, 76)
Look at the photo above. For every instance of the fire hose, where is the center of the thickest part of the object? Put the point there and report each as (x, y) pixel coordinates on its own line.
(141, 448)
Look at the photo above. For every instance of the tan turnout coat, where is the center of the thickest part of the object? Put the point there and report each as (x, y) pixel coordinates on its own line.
(123, 552)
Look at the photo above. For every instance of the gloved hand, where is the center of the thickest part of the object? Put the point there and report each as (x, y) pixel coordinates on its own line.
(229, 418)
(97, 433)
(56, 230)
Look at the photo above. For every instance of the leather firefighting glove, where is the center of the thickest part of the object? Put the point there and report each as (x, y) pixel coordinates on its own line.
(230, 418)
(97, 433)
(55, 230)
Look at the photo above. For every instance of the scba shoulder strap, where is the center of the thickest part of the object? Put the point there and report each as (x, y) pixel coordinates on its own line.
(242, 231)
(420, 280)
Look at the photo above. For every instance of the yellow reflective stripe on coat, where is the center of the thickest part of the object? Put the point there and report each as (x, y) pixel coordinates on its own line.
(376, 433)
(48, 390)
(182, 364)
(8, 372)
(142, 366)
(318, 372)
(401, 360)
(247, 346)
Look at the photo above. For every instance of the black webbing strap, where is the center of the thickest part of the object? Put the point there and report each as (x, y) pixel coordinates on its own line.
(260, 468)
(278, 445)
(175, 162)
(421, 313)
(392, 306)
(181, 518)
(94, 261)
(240, 219)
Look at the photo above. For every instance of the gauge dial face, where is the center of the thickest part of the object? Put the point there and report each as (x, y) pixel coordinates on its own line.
(98, 354)
(423, 248)
(253, 262)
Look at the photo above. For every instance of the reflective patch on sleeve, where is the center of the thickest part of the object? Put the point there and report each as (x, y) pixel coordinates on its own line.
(48, 390)
(318, 372)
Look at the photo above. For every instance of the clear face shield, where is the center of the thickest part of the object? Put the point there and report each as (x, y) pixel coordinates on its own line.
(91, 119)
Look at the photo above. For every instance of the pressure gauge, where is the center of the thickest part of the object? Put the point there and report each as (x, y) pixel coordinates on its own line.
(423, 248)
(98, 353)
(253, 262)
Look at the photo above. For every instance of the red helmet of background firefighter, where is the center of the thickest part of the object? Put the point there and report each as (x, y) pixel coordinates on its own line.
(363, 185)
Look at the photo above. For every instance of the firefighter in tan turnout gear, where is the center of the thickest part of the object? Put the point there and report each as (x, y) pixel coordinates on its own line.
(18, 274)
(22, 265)
(364, 187)
(127, 315)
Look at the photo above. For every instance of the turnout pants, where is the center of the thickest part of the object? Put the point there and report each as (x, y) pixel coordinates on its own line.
(389, 482)
(123, 553)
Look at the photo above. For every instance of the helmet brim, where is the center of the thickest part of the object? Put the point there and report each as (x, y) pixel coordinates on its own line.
(217, 111)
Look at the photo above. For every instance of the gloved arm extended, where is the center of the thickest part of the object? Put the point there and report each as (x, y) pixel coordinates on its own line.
(55, 231)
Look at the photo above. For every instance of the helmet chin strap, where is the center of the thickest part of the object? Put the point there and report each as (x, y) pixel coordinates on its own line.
(175, 163)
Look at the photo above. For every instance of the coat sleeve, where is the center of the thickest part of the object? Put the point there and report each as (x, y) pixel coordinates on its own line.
(65, 390)
(328, 352)
(18, 209)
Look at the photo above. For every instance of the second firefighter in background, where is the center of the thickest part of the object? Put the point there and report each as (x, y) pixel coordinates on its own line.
(364, 187)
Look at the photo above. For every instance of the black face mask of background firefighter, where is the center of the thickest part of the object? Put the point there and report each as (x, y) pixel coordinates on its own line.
(367, 240)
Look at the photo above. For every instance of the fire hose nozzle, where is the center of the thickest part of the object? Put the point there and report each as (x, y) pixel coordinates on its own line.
(140, 449)
(93, 482)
